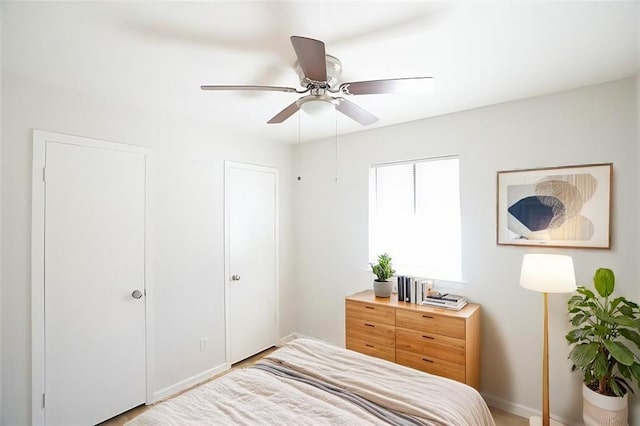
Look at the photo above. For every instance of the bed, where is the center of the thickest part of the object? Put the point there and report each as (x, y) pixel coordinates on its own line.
(308, 382)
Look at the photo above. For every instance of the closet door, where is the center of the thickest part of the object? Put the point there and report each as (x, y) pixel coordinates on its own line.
(94, 283)
(251, 228)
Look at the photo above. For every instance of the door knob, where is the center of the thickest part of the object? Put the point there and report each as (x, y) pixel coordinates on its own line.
(235, 277)
(137, 294)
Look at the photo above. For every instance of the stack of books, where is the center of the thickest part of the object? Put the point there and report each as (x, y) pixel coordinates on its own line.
(413, 289)
(445, 300)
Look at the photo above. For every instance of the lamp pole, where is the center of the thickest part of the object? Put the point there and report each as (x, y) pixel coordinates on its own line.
(545, 363)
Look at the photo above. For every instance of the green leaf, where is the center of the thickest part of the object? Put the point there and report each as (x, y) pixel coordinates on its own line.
(626, 311)
(600, 366)
(574, 299)
(623, 384)
(578, 319)
(615, 388)
(575, 302)
(625, 371)
(635, 371)
(588, 293)
(630, 335)
(575, 335)
(604, 281)
(614, 304)
(578, 334)
(583, 354)
(603, 316)
(630, 304)
(620, 352)
(601, 330)
(622, 320)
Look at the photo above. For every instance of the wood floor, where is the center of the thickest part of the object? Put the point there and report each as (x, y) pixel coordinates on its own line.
(501, 418)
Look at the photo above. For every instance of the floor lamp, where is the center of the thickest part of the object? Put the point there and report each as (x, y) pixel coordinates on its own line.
(546, 273)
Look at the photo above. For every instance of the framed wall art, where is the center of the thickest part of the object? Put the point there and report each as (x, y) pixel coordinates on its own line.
(556, 206)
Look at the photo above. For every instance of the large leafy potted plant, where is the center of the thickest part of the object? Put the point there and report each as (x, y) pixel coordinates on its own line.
(383, 285)
(604, 329)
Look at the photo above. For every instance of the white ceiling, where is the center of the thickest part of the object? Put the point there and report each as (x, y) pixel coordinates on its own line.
(158, 54)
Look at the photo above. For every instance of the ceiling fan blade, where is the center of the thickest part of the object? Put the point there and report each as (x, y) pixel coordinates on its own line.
(311, 57)
(243, 87)
(356, 113)
(284, 114)
(392, 85)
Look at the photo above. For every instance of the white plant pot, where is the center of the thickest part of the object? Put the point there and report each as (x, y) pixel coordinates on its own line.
(382, 288)
(602, 410)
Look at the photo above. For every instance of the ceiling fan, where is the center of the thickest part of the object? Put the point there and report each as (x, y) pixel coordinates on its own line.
(318, 73)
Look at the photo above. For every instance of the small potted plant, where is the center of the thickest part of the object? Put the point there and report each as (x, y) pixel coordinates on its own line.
(604, 329)
(383, 285)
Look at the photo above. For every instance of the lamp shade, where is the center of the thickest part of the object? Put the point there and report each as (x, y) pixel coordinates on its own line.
(548, 273)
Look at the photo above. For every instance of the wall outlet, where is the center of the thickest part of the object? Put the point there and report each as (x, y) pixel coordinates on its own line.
(204, 344)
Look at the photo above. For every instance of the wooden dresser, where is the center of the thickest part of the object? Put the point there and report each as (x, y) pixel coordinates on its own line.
(435, 340)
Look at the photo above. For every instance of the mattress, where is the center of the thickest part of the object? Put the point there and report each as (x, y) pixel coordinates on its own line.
(315, 383)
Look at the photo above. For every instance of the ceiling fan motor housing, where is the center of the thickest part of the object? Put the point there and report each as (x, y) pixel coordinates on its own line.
(334, 69)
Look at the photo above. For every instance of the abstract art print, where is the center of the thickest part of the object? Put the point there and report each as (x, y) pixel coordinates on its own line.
(557, 206)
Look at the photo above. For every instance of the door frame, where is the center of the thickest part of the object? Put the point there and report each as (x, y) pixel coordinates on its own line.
(228, 165)
(40, 139)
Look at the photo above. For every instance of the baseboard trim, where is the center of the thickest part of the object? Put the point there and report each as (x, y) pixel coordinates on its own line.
(187, 383)
(510, 407)
(521, 410)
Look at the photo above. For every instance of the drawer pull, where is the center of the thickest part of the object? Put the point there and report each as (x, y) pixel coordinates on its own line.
(369, 346)
(427, 359)
(427, 316)
(428, 337)
(369, 307)
(369, 325)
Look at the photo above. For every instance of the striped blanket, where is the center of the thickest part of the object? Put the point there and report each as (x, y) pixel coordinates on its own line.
(314, 383)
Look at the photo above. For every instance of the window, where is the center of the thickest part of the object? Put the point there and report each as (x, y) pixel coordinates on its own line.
(414, 216)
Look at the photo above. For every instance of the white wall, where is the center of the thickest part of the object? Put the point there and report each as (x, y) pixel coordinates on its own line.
(589, 125)
(188, 211)
(1, 240)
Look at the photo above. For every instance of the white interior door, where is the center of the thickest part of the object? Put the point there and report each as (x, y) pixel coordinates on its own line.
(252, 244)
(94, 260)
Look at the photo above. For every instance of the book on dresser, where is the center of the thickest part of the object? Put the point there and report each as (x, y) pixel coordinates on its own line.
(445, 300)
(438, 341)
(412, 289)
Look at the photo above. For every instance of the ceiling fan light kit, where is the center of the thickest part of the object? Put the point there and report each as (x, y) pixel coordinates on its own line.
(318, 74)
(317, 104)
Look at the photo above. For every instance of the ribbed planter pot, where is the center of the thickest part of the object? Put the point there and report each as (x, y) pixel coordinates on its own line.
(382, 288)
(602, 410)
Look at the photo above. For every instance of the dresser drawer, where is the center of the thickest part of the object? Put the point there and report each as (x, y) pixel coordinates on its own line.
(370, 331)
(431, 323)
(431, 345)
(373, 349)
(431, 365)
(371, 312)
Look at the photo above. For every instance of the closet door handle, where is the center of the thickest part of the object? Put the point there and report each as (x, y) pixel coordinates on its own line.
(136, 294)
(235, 277)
